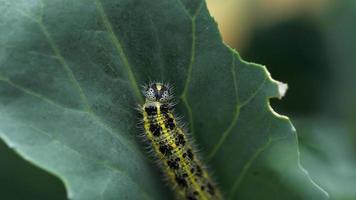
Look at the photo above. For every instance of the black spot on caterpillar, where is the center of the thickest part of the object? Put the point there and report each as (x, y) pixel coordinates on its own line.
(186, 174)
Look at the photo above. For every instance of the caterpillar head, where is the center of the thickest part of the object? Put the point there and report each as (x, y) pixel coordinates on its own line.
(157, 92)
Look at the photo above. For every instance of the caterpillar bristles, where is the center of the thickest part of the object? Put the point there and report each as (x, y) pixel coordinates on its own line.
(173, 147)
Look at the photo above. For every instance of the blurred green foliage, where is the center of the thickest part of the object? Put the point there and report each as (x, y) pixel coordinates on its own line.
(329, 155)
(22, 180)
(317, 58)
(294, 52)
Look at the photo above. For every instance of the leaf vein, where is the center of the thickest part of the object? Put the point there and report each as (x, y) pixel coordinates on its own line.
(189, 74)
(247, 166)
(64, 64)
(234, 120)
(120, 50)
(249, 163)
(253, 94)
(97, 161)
(37, 95)
(235, 114)
(77, 85)
(96, 118)
(57, 53)
(199, 8)
(184, 9)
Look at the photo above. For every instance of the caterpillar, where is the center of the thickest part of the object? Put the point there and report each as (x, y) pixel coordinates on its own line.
(169, 142)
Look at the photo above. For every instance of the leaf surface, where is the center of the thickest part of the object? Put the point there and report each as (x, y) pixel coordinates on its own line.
(70, 73)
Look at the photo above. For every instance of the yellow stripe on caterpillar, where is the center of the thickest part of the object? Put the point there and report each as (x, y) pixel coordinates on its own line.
(174, 151)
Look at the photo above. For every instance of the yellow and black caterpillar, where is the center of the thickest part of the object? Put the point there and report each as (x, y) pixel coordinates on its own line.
(168, 140)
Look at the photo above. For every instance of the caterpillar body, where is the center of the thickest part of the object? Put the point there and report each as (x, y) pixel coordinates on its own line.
(185, 172)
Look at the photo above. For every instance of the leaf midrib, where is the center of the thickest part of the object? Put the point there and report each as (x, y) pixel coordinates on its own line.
(184, 96)
(118, 46)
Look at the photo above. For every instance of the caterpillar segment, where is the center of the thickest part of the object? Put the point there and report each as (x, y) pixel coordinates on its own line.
(186, 174)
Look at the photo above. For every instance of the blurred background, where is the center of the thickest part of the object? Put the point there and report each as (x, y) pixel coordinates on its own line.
(309, 44)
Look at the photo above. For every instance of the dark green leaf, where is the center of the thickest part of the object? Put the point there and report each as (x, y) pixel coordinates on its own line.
(69, 81)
